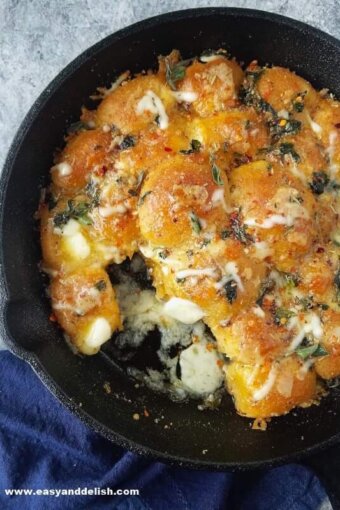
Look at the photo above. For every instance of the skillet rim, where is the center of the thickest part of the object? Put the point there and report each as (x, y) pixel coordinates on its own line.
(19, 138)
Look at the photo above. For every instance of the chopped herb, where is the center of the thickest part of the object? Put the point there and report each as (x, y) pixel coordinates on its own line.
(250, 97)
(288, 148)
(225, 234)
(319, 182)
(92, 190)
(143, 197)
(279, 127)
(195, 146)
(333, 186)
(216, 173)
(230, 289)
(77, 211)
(298, 102)
(195, 223)
(240, 159)
(163, 254)
(101, 285)
(282, 315)
(134, 191)
(306, 302)
(291, 280)
(175, 72)
(128, 142)
(238, 231)
(323, 306)
(314, 351)
(337, 285)
(267, 286)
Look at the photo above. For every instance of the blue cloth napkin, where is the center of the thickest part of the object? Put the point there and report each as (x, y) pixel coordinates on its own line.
(43, 446)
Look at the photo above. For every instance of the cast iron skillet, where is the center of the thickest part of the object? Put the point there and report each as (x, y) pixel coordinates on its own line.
(212, 440)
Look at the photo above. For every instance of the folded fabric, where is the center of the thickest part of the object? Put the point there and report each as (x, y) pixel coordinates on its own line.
(43, 446)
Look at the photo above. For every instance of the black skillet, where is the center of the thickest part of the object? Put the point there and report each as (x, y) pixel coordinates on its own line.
(219, 440)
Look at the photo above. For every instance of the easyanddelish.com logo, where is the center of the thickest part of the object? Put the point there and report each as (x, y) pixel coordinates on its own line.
(79, 491)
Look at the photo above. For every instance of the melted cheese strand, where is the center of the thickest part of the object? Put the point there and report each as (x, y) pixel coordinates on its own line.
(264, 390)
(152, 103)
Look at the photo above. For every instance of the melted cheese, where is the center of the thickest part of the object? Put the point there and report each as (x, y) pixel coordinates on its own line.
(209, 58)
(200, 370)
(99, 332)
(264, 390)
(108, 211)
(77, 246)
(186, 273)
(270, 222)
(333, 167)
(316, 128)
(185, 96)
(262, 250)
(152, 103)
(257, 310)
(312, 324)
(183, 310)
(218, 198)
(64, 169)
(231, 270)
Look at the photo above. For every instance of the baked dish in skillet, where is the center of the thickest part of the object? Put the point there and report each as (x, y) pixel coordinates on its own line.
(225, 184)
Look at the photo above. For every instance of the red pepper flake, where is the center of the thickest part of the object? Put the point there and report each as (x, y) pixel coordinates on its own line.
(101, 171)
(146, 413)
(168, 149)
(53, 318)
(320, 249)
(337, 125)
(219, 363)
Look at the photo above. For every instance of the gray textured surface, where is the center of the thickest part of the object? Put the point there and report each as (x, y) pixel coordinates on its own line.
(39, 37)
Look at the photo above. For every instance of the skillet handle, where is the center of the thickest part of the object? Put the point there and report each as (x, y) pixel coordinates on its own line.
(326, 466)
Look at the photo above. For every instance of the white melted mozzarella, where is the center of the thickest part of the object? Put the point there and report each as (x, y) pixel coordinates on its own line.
(74, 241)
(183, 310)
(106, 212)
(152, 103)
(185, 96)
(312, 324)
(200, 371)
(70, 229)
(209, 58)
(265, 389)
(333, 167)
(99, 332)
(186, 273)
(219, 198)
(315, 126)
(270, 222)
(78, 246)
(231, 271)
(262, 250)
(257, 310)
(64, 169)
